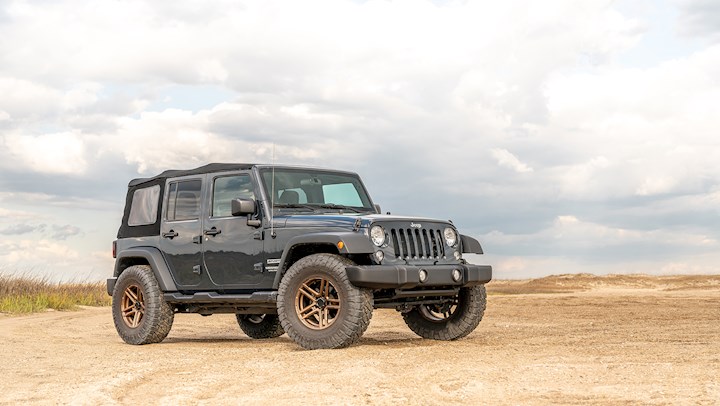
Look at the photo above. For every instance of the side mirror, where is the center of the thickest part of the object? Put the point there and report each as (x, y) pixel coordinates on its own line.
(241, 207)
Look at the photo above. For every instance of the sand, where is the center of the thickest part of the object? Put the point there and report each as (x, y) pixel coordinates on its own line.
(599, 340)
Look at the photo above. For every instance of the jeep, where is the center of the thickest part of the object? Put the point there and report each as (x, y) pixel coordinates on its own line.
(287, 249)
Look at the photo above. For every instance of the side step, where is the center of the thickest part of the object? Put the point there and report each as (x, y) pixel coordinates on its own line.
(256, 298)
(207, 303)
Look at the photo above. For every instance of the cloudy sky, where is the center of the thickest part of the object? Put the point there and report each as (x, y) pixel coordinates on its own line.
(568, 136)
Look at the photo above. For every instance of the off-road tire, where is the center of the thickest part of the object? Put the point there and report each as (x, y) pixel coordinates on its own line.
(260, 325)
(351, 306)
(466, 316)
(153, 318)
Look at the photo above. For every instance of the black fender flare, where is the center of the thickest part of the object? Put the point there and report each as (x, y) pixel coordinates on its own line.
(154, 258)
(470, 245)
(352, 243)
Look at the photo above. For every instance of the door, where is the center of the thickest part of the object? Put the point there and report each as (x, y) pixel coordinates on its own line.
(180, 233)
(233, 250)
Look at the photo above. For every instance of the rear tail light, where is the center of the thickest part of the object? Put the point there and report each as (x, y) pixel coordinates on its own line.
(114, 249)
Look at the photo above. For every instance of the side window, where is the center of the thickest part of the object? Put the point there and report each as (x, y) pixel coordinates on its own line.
(184, 200)
(144, 206)
(342, 193)
(227, 188)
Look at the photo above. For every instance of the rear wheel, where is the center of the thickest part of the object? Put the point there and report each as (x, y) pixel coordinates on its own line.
(319, 307)
(140, 313)
(260, 325)
(452, 320)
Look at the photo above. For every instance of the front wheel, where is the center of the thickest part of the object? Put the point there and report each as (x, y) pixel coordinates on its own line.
(452, 320)
(260, 325)
(319, 307)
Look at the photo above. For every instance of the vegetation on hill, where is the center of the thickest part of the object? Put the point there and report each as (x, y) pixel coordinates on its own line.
(26, 294)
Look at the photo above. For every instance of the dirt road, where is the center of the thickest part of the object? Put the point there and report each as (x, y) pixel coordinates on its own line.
(609, 345)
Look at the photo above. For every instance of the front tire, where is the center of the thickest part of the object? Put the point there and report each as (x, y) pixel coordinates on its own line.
(452, 320)
(319, 307)
(260, 325)
(140, 313)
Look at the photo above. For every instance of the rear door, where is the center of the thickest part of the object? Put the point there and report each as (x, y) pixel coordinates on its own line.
(232, 250)
(180, 233)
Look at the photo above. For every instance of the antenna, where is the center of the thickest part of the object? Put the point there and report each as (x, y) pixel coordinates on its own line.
(272, 194)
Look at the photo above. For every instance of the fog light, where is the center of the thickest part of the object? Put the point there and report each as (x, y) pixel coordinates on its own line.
(423, 275)
(379, 256)
(456, 275)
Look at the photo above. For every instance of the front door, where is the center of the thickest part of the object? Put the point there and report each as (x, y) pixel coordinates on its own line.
(233, 250)
(180, 234)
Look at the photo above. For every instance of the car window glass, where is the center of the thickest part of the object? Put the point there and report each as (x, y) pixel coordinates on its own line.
(184, 200)
(228, 188)
(143, 210)
(315, 187)
(342, 193)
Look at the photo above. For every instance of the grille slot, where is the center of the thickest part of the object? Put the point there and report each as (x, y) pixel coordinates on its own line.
(412, 243)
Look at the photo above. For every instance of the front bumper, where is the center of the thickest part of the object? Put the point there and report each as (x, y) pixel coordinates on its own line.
(408, 276)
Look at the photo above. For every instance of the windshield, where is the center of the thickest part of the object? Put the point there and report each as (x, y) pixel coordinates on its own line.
(313, 189)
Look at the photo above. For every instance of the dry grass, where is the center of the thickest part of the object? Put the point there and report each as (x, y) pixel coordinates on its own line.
(24, 294)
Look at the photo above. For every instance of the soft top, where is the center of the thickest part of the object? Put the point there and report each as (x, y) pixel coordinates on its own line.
(172, 173)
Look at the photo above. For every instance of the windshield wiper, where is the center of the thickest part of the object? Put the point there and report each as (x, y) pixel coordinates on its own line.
(340, 207)
(294, 206)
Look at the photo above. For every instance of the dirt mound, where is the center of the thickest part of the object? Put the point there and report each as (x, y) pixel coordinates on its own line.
(583, 282)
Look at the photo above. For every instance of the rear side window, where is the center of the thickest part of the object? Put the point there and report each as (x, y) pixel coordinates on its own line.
(184, 200)
(143, 210)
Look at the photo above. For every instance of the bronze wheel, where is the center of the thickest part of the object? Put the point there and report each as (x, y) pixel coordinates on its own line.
(133, 306)
(450, 320)
(319, 307)
(438, 312)
(260, 325)
(317, 303)
(140, 314)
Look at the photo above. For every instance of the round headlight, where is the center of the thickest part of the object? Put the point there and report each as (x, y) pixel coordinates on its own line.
(450, 236)
(377, 235)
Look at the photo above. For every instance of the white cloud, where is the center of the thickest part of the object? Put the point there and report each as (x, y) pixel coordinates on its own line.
(506, 159)
(523, 109)
(699, 18)
(61, 153)
(571, 245)
(82, 95)
(27, 99)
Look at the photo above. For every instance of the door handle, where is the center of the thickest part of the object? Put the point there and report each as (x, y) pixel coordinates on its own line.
(212, 232)
(170, 234)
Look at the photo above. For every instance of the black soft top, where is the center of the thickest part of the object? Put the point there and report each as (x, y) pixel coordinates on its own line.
(172, 173)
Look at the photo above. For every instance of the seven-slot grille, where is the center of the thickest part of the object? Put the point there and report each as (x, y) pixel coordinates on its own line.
(410, 243)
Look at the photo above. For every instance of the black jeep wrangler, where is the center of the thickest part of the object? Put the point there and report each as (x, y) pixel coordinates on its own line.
(289, 250)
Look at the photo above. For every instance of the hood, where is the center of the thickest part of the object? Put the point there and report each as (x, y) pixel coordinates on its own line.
(347, 220)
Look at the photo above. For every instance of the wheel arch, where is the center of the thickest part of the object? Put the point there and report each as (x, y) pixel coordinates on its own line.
(330, 243)
(146, 256)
